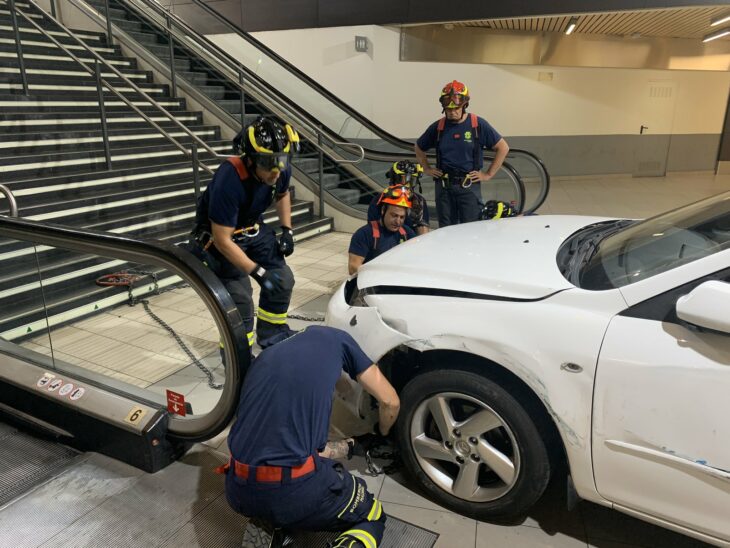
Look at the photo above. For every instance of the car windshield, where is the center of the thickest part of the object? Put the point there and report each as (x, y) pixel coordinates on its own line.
(649, 247)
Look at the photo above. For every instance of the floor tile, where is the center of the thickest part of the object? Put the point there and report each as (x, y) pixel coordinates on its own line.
(454, 531)
(490, 535)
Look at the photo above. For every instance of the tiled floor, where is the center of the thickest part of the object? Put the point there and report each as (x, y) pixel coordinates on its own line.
(127, 345)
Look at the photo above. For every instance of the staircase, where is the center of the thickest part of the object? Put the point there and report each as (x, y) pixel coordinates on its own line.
(52, 158)
(346, 186)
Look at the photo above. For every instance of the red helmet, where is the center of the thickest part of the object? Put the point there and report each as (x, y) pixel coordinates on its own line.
(399, 195)
(454, 95)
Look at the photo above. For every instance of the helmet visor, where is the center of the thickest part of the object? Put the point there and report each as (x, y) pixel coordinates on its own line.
(272, 161)
(452, 100)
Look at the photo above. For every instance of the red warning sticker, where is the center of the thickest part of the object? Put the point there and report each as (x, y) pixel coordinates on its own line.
(175, 403)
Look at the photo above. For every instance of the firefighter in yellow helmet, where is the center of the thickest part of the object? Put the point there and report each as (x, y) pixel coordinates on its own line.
(459, 139)
(377, 237)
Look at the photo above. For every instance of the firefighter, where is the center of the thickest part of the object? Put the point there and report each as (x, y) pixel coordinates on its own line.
(459, 138)
(278, 473)
(231, 237)
(388, 231)
(409, 174)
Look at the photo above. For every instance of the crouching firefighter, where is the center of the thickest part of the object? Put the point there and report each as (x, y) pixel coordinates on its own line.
(278, 474)
(377, 237)
(231, 237)
(406, 173)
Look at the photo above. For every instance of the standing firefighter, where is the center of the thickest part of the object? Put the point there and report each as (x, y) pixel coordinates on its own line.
(231, 237)
(459, 138)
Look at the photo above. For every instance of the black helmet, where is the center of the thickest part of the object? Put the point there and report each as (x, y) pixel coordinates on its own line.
(404, 172)
(266, 143)
(496, 209)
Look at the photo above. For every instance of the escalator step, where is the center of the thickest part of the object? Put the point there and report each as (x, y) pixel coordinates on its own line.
(27, 461)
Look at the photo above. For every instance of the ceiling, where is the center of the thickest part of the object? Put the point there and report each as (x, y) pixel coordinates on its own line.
(691, 22)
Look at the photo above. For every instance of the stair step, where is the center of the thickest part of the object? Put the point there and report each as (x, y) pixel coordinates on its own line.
(26, 30)
(12, 74)
(59, 59)
(55, 122)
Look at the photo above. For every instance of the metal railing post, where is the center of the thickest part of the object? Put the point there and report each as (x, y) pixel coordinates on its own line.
(108, 23)
(102, 115)
(321, 175)
(243, 99)
(18, 47)
(173, 83)
(12, 204)
(196, 174)
(53, 9)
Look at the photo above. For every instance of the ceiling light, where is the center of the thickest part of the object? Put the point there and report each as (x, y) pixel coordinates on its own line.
(571, 25)
(717, 34)
(719, 20)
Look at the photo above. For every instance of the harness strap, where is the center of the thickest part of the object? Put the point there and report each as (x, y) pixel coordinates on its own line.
(268, 474)
(237, 163)
(375, 226)
(474, 120)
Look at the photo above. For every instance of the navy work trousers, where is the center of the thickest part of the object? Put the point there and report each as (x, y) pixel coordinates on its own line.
(329, 499)
(456, 204)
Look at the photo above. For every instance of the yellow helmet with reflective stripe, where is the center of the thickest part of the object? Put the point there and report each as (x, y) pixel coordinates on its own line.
(266, 143)
(404, 172)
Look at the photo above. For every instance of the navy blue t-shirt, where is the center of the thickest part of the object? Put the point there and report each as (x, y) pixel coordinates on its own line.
(456, 145)
(362, 242)
(284, 412)
(421, 214)
(226, 195)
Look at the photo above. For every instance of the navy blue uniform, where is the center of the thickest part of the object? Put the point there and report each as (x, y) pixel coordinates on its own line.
(363, 243)
(282, 421)
(417, 215)
(456, 157)
(232, 201)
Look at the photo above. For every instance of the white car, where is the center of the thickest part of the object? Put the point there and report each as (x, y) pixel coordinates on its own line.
(522, 343)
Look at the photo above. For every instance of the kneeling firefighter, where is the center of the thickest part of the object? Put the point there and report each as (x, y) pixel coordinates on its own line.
(231, 237)
(408, 174)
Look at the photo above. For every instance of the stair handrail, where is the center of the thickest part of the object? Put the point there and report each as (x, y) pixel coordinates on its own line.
(315, 125)
(113, 89)
(227, 61)
(532, 158)
(11, 200)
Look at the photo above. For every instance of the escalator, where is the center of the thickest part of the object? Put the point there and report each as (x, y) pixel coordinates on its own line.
(96, 378)
(259, 82)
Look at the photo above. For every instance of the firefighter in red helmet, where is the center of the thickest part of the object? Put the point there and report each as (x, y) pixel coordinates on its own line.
(459, 139)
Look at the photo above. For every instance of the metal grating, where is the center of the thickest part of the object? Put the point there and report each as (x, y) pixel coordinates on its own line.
(398, 534)
(691, 22)
(26, 461)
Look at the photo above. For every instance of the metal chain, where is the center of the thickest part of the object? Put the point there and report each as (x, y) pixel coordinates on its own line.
(207, 372)
(133, 300)
(305, 317)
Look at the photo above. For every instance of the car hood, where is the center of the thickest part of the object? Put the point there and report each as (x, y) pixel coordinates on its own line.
(510, 258)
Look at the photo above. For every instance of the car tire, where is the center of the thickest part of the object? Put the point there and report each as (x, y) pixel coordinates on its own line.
(492, 461)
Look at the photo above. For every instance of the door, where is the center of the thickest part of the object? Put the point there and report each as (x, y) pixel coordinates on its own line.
(655, 131)
(661, 416)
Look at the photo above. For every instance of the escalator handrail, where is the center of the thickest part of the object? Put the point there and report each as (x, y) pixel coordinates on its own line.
(388, 137)
(11, 200)
(314, 124)
(207, 286)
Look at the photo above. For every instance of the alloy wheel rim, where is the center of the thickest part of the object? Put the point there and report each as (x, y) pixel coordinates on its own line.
(465, 447)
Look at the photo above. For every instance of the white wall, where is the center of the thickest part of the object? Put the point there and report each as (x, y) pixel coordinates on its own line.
(402, 96)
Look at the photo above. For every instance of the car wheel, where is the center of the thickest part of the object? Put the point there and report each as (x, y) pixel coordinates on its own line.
(471, 445)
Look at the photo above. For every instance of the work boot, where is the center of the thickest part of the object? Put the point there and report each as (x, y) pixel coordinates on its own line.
(268, 334)
(261, 534)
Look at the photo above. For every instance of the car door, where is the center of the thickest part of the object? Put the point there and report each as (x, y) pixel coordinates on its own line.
(661, 416)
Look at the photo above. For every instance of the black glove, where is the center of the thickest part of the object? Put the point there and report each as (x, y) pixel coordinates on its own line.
(286, 241)
(266, 279)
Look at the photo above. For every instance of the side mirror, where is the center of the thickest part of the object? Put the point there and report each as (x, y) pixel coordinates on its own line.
(707, 305)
